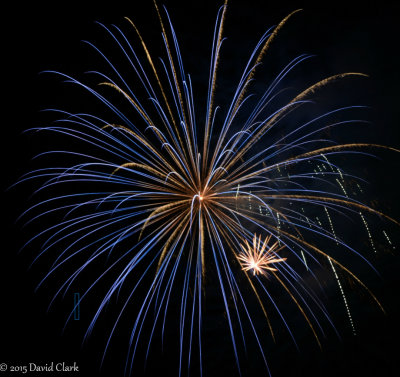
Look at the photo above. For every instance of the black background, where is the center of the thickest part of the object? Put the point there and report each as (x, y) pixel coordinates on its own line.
(344, 36)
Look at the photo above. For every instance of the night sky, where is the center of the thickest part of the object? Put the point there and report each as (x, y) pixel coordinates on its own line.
(343, 37)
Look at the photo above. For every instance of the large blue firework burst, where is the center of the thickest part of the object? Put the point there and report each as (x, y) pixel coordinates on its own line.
(158, 207)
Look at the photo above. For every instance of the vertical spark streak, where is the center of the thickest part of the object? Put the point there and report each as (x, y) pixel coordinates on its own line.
(342, 187)
(337, 169)
(388, 239)
(337, 277)
(344, 296)
(331, 225)
(369, 233)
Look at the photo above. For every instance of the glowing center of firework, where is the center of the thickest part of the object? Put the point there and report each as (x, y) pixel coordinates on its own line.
(200, 195)
(254, 265)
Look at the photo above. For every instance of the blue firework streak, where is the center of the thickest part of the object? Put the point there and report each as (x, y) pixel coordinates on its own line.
(164, 201)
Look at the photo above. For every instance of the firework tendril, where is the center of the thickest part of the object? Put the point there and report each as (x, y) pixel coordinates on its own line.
(170, 203)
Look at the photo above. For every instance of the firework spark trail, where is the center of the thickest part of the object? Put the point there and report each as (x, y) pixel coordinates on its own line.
(369, 233)
(344, 297)
(345, 301)
(388, 239)
(169, 208)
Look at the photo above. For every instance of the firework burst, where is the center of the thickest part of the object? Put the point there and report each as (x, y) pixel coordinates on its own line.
(163, 201)
(258, 258)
